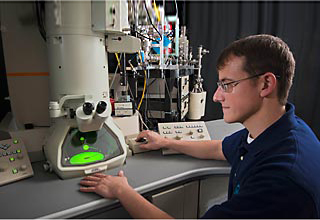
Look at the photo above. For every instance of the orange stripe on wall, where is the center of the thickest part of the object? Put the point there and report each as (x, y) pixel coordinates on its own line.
(28, 74)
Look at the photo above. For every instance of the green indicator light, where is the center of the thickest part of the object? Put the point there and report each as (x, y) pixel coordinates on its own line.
(11, 159)
(14, 171)
(15, 141)
(85, 147)
(82, 139)
(18, 151)
(86, 157)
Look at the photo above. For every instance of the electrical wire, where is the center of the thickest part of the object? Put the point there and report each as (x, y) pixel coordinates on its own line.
(176, 8)
(119, 64)
(115, 72)
(146, 109)
(144, 85)
(40, 15)
(156, 10)
(167, 89)
(144, 88)
(135, 106)
(145, 5)
(140, 117)
(146, 37)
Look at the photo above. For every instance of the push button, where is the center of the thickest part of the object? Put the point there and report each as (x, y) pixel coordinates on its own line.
(23, 167)
(14, 171)
(11, 159)
(200, 130)
(20, 156)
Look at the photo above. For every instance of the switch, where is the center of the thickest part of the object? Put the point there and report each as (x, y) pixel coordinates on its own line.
(14, 171)
(190, 132)
(23, 167)
(20, 156)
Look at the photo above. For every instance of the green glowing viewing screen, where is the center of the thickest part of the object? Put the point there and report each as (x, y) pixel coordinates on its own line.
(86, 157)
(83, 148)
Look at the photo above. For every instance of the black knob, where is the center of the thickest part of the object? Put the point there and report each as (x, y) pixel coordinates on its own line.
(87, 108)
(101, 107)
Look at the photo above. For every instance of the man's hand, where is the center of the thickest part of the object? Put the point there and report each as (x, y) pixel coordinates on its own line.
(105, 185)
(112, 187)
(154, 140)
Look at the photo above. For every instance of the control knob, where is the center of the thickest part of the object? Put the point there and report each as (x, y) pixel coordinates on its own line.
(23, 167)
(20, 156)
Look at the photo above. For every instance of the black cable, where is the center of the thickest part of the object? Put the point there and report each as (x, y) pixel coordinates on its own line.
(40, 14)
(147, 37)
(145, 6)
(151, 83)
(133, 99)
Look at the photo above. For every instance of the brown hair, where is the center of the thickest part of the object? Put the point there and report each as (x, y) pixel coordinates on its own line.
(264, 53)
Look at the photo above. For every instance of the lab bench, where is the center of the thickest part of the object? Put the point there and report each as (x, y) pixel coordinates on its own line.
(181, 179)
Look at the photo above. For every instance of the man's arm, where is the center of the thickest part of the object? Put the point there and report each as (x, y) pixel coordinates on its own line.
(200, 149)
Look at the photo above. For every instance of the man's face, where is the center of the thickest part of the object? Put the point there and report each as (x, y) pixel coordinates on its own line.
(242, 100)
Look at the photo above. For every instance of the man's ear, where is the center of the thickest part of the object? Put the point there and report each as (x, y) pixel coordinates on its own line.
(269, 84)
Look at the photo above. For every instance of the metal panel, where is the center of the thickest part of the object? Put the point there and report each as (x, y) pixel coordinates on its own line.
(213, 191)
(179, 202)
(171, 201)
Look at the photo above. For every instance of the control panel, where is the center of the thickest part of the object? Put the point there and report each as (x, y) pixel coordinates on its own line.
(14, 161)
(134, 144)
(189, 131)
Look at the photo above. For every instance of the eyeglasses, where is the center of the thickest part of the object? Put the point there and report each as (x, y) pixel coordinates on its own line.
(228, 87)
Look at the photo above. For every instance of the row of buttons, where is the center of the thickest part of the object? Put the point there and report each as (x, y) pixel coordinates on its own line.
(5, 146)
(10, 153)
(200, 130)
(194, 126)
(191, 137)
(181, 126)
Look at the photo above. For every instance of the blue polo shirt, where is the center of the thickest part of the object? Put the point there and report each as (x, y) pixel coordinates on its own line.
(275, 176)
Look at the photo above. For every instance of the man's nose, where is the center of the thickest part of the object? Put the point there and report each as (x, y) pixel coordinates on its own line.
(218, 96)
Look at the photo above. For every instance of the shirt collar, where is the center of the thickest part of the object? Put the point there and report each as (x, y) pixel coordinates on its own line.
(276, 131)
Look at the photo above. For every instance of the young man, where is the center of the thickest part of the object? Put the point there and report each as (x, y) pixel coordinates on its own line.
(275, 159)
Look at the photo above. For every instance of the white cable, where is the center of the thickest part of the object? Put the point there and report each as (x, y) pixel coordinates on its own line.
(115, 73)
(176, 7)
(140, 117)
(139, 114)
